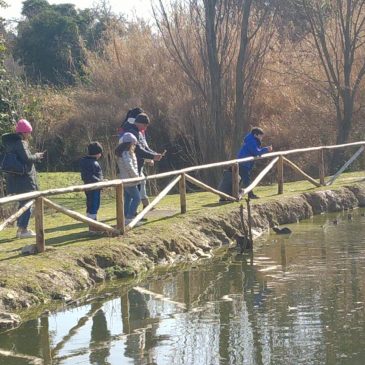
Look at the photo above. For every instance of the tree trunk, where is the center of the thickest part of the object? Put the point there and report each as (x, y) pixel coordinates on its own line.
(344, 124)
(215, 94)
(240, 122)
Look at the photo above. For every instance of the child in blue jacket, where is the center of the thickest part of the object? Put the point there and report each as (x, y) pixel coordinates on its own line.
(91, 173)
(251, 147)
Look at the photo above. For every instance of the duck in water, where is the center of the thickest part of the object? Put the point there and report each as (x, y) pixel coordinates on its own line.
(284, 230)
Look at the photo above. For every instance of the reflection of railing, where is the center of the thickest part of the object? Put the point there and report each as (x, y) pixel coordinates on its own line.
(38, 198)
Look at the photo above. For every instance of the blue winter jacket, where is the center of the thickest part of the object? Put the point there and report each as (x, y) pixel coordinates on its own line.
(90, 170)
(251, 147)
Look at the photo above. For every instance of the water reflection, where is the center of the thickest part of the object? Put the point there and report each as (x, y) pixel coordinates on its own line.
(295, 301)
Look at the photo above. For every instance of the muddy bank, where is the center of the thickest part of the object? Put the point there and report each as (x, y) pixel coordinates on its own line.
(61, 272)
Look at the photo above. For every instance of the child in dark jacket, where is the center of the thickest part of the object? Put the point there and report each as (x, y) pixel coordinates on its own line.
(251, 147)
(91, 173)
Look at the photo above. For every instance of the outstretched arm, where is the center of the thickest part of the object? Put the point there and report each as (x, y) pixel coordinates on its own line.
(25, 155)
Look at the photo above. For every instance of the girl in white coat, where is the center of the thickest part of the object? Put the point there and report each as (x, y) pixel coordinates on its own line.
(128, 168)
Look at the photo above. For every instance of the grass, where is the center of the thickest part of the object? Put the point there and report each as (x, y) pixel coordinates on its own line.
(71, 237)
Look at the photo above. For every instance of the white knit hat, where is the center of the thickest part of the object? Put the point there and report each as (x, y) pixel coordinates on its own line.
(128, 138)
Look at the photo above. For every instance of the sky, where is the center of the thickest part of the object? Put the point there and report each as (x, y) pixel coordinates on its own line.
(128, 7)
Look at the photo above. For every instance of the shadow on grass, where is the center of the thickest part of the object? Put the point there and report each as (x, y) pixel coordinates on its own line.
(72, 238)
(218, 204)
(73, 226)
(162, 219)
(8, 240)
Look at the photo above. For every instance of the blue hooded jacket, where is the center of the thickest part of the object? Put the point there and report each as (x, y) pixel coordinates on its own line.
(90, 170)
(251, 147)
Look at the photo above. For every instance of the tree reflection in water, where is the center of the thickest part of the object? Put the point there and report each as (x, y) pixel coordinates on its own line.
(297, 300)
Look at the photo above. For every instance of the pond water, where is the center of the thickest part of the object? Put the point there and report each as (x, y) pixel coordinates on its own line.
(296, 300)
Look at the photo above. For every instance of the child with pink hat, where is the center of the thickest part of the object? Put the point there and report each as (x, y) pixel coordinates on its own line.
(17, 144)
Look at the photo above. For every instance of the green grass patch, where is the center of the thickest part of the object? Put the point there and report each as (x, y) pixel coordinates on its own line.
(64, 233)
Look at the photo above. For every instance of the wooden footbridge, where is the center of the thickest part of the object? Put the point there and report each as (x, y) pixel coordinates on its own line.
(40, 198)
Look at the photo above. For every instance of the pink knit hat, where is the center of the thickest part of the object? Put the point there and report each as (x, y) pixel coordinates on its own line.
(23, 126)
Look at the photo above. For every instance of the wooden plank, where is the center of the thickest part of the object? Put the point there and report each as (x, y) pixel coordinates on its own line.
(119, 201)
(346, 165)
(301, 172)
(39, 225)
(81, 218)
(321, 167)
(261, 175)
(209, 188)
(182, 191)
(235, 181)
(280, 168)
(16, 215)
(113, 183)
(158, 198)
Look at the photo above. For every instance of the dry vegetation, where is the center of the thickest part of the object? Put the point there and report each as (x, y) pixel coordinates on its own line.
(287, 95)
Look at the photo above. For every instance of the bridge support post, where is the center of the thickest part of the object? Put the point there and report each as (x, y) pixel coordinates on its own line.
(280, 175)
(119, 200)
(235, 181)
(321, 167)
(39, 225)
(182, 191)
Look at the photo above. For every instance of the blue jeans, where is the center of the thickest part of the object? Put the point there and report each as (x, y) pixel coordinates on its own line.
(132, 198)
(23, 220)
(245, 173)
(92, 201)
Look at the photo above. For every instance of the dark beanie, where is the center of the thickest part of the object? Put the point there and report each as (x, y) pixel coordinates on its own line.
(94, 148)
(142, 118)
(132, 113)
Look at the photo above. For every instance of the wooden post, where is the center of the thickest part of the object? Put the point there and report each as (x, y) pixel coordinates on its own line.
(182, 190)
(281, 175)
(39, 225)
(119, 200)
(235, 181)
(321, 166)
(249, 221)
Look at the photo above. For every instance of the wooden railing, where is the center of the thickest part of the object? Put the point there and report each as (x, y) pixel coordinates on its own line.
(39, 198)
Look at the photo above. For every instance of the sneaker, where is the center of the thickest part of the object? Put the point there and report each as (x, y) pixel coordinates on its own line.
(25, 234)
(253, 196)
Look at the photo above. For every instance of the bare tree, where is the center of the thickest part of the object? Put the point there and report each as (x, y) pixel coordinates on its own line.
(337, 28)
(256, 33)
(220, 46)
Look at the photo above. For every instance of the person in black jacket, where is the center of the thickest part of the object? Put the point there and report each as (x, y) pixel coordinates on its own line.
(143, 152)
(91, 172)
(17, 143)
